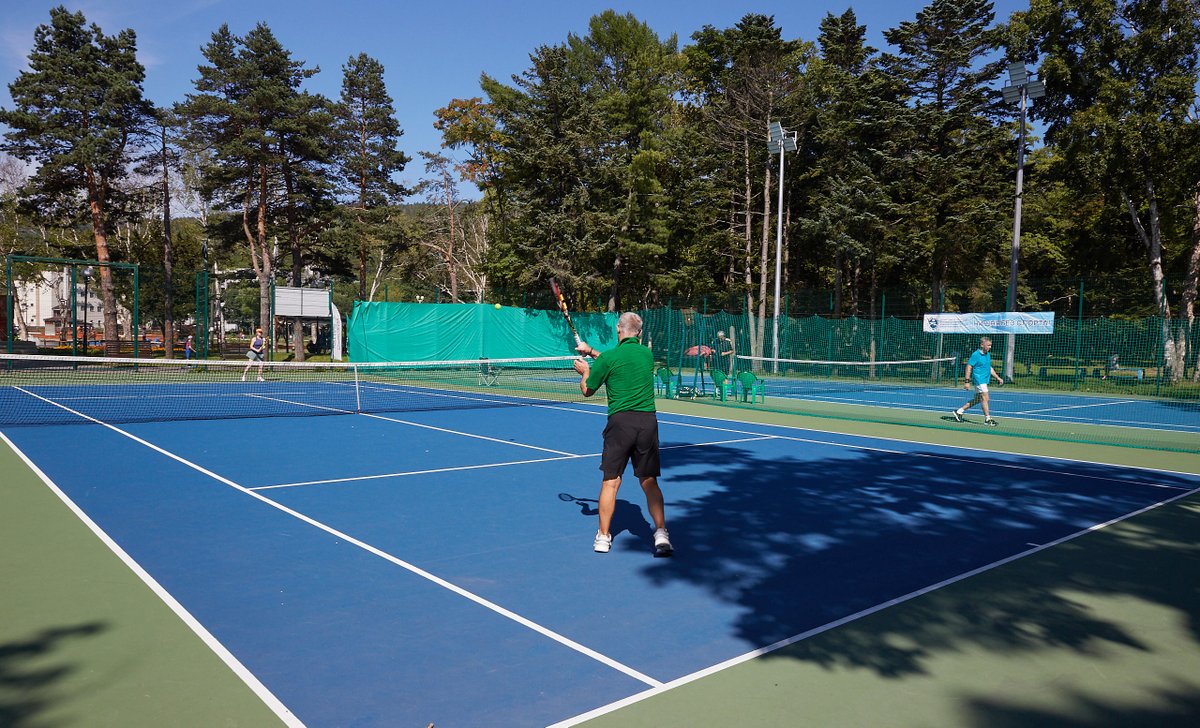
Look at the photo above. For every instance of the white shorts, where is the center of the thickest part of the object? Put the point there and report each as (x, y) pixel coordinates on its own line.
(980, 388)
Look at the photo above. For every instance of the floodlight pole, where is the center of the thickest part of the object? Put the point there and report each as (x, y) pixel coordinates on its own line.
(1010, 349)
(1020, 89)
(778, 263)
(782, 138)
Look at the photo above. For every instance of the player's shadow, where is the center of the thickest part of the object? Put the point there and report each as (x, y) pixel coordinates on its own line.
(627, 518)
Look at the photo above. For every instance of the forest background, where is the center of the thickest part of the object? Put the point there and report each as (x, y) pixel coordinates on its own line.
(634, 168)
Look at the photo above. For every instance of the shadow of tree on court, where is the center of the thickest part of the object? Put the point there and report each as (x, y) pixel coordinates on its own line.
(800, 544)
(27, 681)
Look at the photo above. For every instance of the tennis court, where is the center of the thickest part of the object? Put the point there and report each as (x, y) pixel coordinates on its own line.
(1038, 406)
(430, 562)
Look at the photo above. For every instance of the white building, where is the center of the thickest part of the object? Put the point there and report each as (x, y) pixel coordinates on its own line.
(42, 306)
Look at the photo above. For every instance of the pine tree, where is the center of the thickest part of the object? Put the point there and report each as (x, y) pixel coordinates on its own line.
(76, 111)
(366, 152)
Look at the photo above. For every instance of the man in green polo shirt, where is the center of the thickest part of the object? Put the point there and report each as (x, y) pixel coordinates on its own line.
(627, 373)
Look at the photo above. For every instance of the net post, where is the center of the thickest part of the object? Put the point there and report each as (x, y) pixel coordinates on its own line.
(357, 392)
(137, 328)
(8, 303)
(1079, 337)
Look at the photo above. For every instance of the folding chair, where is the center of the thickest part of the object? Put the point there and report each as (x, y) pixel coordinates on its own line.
(488, 373)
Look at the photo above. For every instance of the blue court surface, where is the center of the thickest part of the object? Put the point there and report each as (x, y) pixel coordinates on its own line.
(1006, 402)
(436, 566)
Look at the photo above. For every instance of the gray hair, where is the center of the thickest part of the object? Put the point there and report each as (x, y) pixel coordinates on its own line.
(630, 323)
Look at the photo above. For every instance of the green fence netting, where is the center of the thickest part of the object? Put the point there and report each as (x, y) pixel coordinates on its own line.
(1130, 382)
(453, 332)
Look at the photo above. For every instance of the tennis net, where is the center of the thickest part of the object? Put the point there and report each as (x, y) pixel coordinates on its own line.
(39, 390)
(800, 377)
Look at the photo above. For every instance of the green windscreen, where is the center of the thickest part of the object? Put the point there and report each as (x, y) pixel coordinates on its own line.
(441, 332)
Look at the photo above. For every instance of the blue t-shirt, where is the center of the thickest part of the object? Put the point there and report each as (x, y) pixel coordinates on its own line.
(981, 367)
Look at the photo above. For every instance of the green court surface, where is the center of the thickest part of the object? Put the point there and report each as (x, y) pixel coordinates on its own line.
(84, 641)
(1103, 630)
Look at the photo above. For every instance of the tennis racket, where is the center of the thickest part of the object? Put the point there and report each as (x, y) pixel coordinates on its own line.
(562, 306)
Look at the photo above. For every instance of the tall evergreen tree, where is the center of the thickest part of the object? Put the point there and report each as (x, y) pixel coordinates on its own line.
(1121, 79)
(246, 104)
(958, 160)
(745, 77)
(367, 155)
(76, 111)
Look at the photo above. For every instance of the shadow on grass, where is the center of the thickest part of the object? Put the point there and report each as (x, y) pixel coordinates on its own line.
(27, 679)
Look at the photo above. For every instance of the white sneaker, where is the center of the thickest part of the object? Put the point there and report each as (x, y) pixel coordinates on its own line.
(957, 416)
(261, 379)
(662, 543)
(243, 377)
(602, 543)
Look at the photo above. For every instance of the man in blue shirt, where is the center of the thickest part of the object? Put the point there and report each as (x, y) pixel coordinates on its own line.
(979, 375)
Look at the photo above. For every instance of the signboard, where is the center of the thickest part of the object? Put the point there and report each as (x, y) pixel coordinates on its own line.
(302, 302)
(1011, 322)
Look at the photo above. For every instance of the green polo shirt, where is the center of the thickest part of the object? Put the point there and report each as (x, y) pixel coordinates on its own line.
(628, 372)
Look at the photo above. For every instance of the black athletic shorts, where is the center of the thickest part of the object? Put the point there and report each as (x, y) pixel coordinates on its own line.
(631, 435)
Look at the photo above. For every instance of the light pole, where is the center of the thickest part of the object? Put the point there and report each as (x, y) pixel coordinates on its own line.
(778, 141)
(87, 276)
(1020, 90)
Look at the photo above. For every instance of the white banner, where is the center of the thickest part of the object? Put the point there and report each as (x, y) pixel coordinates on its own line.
(1011, 322)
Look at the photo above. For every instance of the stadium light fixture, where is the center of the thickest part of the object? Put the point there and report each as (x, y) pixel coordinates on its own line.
(1020, 90)
(779, 141)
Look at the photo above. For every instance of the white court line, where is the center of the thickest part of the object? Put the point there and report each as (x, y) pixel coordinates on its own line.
(485, 466)
(1076, 406)
(233, 663)
(603, 710)
(939, 456)
(1003, 412)
(416, 472)
(488, 604)
(414, 424)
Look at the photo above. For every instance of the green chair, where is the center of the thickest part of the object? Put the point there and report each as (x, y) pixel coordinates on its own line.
(722, 385)
(752, 387)
(665, 383)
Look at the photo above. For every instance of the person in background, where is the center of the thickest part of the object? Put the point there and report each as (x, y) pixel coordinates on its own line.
(979, 375)
(627, 373)
(188, 351)
(724, 350)
(255, 354)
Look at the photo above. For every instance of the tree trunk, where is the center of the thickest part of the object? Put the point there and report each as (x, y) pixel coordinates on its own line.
(748, 271)
(297, 256)
(1188, 302)
(451, 264)
(260, 255)
(765, 265)
(1172, 357)
(168, 257)
(107, 293)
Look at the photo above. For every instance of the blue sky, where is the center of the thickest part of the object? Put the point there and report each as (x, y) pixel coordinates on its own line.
(432, 51)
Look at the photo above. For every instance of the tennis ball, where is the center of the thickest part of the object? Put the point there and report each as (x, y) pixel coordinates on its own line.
(497, 307)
